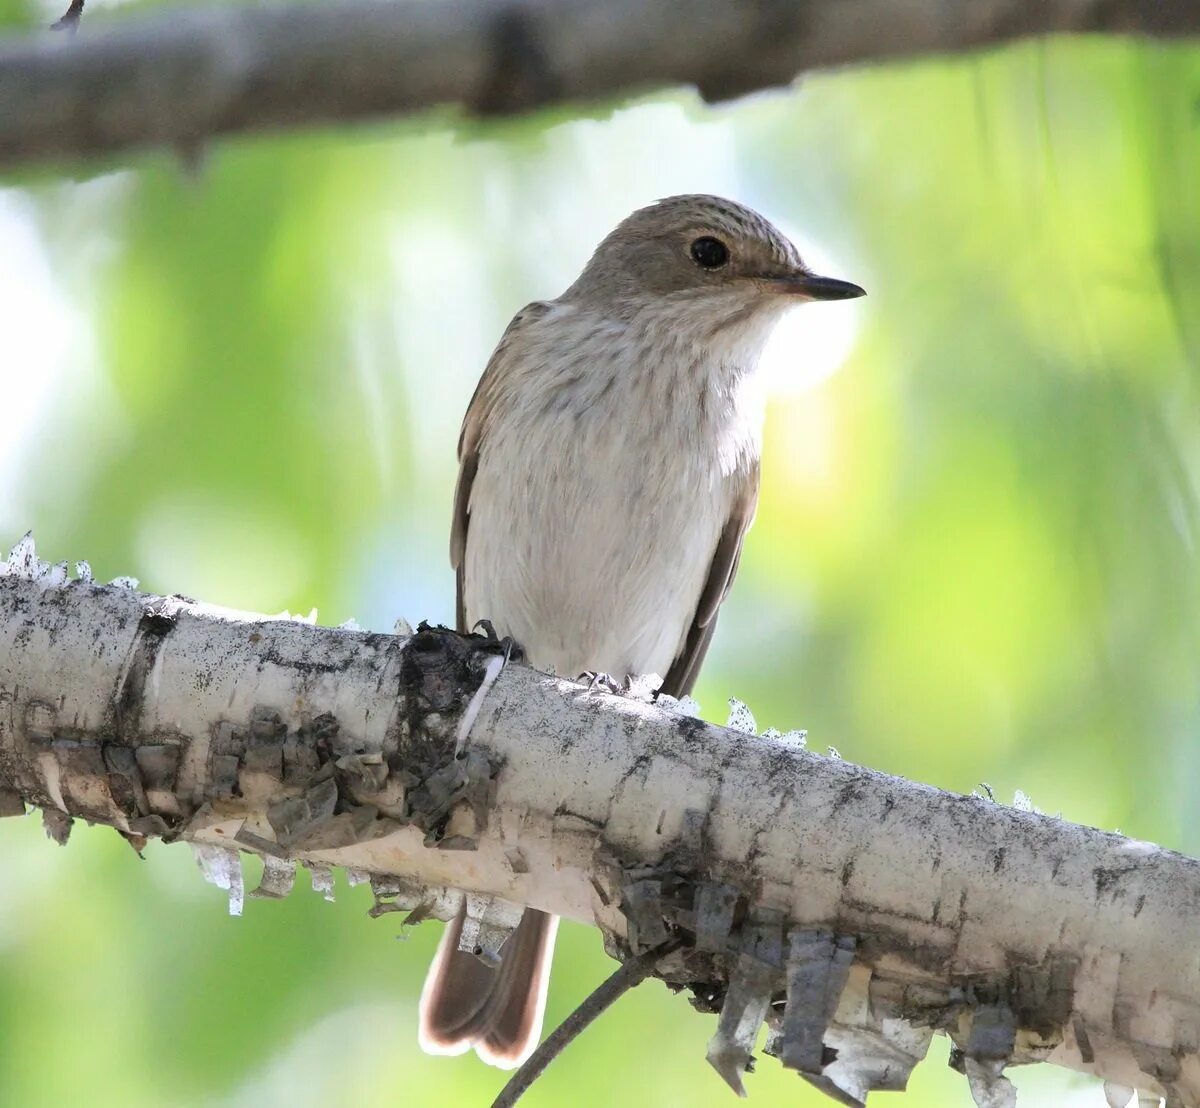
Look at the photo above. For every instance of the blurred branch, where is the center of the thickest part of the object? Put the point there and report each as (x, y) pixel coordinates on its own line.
(179, 77)
(854, 913)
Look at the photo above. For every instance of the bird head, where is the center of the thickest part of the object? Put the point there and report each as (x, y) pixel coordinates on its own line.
(701, 255)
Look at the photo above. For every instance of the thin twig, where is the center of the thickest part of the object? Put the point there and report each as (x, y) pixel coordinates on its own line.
(70, 19)
(633, 972)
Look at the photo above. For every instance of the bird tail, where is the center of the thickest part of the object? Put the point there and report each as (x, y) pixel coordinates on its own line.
(497, 1011)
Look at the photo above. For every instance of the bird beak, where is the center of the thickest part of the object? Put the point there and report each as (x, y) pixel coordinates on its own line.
(811, 287)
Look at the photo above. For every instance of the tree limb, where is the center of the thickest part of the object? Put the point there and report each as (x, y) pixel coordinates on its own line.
(852, 912)
(179, 77)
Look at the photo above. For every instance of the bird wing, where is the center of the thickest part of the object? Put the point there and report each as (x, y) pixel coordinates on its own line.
(471, 437)
(686, 668)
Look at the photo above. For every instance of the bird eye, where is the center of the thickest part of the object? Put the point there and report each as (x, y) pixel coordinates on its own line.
(710, 253)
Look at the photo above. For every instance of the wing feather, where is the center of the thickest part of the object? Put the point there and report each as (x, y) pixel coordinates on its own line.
(686, 668)
(470, 439)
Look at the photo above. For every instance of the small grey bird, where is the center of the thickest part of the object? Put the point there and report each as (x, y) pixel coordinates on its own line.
(608, 473)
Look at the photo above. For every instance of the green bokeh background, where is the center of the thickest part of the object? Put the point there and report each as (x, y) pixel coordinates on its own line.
(974, 558)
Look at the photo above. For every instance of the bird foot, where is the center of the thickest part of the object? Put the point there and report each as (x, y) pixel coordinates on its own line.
(509, 646)
(603, 681)
(489, 630)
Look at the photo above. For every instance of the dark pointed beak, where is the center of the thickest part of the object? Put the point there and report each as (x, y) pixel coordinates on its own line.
(812, 287)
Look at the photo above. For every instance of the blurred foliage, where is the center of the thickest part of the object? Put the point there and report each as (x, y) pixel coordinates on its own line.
(974, 558)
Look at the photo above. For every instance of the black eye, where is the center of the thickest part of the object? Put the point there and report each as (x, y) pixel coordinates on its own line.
(710, 253)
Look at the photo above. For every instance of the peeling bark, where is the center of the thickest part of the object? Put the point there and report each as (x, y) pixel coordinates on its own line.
(180, 77)
(855, 913)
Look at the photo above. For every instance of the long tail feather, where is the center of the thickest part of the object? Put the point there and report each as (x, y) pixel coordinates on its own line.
(497, 1011)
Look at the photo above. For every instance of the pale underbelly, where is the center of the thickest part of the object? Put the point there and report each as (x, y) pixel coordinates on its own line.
(603, 582)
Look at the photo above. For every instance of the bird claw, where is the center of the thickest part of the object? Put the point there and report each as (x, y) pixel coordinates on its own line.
(508, 645)
(603, 681)
(489, 630)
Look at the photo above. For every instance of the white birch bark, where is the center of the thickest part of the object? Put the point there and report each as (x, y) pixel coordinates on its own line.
(853, 912)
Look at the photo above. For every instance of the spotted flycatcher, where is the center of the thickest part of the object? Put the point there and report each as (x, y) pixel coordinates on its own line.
(608, 472)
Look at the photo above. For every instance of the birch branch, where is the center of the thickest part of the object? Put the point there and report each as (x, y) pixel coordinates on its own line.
(179, 77)
(854, 913)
